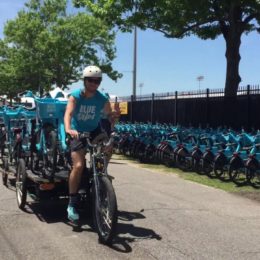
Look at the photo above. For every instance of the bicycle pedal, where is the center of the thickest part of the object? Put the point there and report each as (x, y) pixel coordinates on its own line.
(82, 191)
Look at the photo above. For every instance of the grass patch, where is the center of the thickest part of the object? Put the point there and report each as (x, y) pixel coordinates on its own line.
(245, 191)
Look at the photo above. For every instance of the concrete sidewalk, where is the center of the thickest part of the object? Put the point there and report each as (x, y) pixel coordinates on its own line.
(193, 220)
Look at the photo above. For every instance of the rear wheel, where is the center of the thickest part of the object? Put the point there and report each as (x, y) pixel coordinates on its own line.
(217, 170)
(238, 175)
(197, 166)
(105, 211)
(149, 154)
(222, 173)
(253, 177)
(184, 163)
(17, 151)
(5, 171)
(21, 184)
(207, 167)
(167, 158)
(50, 159)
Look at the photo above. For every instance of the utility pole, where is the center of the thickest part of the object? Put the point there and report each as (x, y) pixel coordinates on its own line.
(134, 64)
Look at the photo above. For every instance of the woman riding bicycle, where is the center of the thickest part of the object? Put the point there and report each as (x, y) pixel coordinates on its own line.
(83, 114)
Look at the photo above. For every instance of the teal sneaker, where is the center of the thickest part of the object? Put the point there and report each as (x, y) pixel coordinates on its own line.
(72, 214)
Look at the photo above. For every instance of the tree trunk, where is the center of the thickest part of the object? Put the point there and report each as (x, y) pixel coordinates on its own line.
(232, 34)
(233, 58)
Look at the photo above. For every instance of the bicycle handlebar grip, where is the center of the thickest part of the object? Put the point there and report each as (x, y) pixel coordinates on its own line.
(68, 138)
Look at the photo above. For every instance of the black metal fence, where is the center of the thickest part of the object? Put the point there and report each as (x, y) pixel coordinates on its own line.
(197, 108)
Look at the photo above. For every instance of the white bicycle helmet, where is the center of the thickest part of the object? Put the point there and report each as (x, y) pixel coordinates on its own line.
(92, 71)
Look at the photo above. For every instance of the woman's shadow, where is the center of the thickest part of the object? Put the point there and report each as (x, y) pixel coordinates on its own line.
(126, 234)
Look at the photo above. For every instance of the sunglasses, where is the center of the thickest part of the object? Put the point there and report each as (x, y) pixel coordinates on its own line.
(96, 81)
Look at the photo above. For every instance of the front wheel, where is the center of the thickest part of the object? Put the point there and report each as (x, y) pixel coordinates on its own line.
(21, 184)
(105, 210)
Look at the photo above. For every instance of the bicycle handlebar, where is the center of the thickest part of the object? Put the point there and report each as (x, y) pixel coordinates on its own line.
(100, 139)
(231, 144)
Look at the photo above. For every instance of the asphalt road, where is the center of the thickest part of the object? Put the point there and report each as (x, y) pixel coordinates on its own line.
(160, 217)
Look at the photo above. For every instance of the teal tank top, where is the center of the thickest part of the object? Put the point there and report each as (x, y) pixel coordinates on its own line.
(87, 112)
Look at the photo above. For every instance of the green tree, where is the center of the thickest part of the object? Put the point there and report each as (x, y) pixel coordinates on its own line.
(44, 45)
(178, 18)
(9, 79)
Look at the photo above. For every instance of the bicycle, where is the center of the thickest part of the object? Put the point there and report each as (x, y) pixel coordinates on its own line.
(100, 188)
(2, 138)
(12, 141)
(50, 148)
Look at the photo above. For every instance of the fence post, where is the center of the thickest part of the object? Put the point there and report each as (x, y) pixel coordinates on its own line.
(175, 110)
(152, 109)
(132, 105)
(248, 108)
(207, 106)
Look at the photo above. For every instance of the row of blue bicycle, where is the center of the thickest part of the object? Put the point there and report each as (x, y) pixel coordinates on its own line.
(33, 134)
(222, 153)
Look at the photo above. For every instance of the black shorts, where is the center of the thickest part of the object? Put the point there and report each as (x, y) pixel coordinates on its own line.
(78, 144)
(106, 126)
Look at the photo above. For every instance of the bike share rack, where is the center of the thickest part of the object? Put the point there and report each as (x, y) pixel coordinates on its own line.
(219, 153)
(43, 175)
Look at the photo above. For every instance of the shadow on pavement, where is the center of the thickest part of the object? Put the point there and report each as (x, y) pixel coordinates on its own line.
(56, 211)
(48, 211)
(128, 233)
(129, 216)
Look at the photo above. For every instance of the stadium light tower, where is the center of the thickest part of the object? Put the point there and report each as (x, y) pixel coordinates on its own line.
(199, 79)
(141, 86)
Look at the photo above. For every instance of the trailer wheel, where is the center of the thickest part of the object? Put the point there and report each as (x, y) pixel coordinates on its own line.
(21, 184)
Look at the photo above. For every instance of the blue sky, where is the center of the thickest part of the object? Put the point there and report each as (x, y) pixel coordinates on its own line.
(167, 65)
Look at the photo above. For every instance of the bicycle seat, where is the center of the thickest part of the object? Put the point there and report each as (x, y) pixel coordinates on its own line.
(16, 130)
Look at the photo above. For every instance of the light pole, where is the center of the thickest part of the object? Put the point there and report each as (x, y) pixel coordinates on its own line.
(199, 79)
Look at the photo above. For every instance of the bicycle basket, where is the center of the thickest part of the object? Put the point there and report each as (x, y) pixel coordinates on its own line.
(11, 117)
(48, 108)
